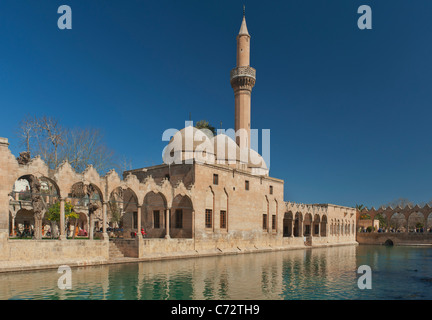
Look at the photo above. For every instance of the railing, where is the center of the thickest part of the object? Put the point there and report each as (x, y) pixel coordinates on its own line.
(243, 72)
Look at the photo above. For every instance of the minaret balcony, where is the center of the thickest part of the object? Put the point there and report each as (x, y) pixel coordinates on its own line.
(243, 72)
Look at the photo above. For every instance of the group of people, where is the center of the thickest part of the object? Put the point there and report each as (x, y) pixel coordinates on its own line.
(134, 234)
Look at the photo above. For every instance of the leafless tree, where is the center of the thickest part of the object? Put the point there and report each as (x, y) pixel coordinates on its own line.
(27, 130)
(85, 147)
(45, 137)
(401, 202)
(49, 136)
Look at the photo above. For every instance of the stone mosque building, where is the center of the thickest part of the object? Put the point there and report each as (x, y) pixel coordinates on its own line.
(187, 206)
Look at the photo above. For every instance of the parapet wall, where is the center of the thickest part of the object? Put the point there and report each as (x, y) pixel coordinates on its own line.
(397, 238)
(35, 254)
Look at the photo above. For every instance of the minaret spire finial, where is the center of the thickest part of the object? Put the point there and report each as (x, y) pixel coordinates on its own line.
(244, 10)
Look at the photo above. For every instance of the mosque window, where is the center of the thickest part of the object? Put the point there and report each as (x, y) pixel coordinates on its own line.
(273, 222)
(264, 222)
(271, 190)
(223, 219)
(247, 184)
(215, 179)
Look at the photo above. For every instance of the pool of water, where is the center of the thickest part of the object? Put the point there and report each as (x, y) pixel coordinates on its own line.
(324, 273)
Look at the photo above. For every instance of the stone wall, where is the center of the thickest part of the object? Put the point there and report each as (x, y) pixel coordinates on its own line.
(398, 238)
(34, 254)
(129, 247)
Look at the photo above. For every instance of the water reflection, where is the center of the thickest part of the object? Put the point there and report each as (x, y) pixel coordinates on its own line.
(326, 273)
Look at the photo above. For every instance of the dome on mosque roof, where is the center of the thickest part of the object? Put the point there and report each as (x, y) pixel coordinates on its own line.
(225, 149)
(199, 145)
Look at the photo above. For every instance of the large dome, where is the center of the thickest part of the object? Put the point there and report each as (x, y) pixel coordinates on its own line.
(196, 145)
(190, 144)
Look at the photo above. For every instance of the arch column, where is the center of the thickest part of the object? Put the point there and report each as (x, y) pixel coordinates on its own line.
(139, 222)
(301, 226)
(167, 223)
(104, 220)
(62, 219)
(193, 224)
(292, 227)
(13, 225)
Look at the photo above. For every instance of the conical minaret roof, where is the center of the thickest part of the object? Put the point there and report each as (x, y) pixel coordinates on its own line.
(243, 28)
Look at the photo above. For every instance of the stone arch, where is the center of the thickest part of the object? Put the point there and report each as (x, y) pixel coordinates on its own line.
(155, 213)
(323, 227)
(298, 225)
(287, 224)
(122, 199)
(35, 195)
(88, 197)
(388, 242)
(416, 221)
(181, 217)
(429, 222)
(398, 222)
(307, 224)
(316, 225)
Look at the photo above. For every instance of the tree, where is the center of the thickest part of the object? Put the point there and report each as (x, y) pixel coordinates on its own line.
(360, 208)
(50, 137)
(382, 220)
(401, 202)
(53, 215)
(203, 124)
(45, 137)
(85, 147)
(26, 131)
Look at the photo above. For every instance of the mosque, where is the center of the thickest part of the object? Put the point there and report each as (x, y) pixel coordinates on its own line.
(211, 195)
(233, 199)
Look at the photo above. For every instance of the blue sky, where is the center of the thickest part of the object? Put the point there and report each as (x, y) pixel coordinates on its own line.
(349, 110)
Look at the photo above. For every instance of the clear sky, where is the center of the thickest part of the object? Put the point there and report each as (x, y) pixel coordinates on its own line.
(349, 110)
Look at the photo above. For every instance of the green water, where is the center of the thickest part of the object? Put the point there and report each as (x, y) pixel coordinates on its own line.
(325, 273)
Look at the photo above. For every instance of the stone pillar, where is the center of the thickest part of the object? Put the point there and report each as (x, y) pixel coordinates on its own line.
(13, 226)
(104, 221)
(301, 231)
(62, 220)
(292, 228)
(91, 226)
(139, 224)
(5, 188)
(193, 224)
(167, 223)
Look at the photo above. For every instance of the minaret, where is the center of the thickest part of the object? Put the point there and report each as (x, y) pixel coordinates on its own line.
(242, 81)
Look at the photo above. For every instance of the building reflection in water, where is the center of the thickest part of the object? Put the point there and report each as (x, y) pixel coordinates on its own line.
(297, 274)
